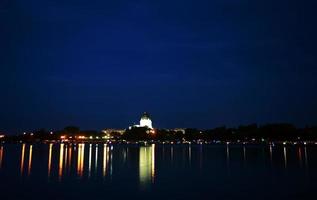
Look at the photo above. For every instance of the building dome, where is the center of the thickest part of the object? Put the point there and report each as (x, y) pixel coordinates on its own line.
(145, 116)
(146, 121)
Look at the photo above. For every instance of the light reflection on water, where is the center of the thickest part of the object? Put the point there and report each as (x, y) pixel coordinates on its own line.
(1, 155)
(30, 159)
(146, 165)
(22, 159)
(84, 161)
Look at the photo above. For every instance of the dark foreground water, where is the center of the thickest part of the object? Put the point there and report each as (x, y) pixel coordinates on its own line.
(91, 171)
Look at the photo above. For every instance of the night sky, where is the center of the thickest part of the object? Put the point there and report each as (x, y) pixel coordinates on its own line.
(189, 63)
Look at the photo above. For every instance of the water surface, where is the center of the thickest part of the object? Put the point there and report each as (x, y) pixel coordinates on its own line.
(104, 171)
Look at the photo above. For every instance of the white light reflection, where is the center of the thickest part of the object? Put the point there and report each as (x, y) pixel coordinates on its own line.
(89, 167)
(105, 160)
(96, 158)
(285, 157)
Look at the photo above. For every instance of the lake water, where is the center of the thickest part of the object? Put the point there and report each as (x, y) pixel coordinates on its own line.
(100, 171)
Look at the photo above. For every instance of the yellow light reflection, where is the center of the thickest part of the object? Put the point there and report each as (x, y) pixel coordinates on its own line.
(61, 159)
(49, 167)
(146, 166)
(30, 159)
(1, 156)
(22, 159)
(153, 163)
(80, 159)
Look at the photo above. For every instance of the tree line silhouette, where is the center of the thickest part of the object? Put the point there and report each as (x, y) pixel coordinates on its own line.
(269, 132)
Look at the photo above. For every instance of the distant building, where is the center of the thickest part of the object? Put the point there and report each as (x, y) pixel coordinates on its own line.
(110, 131)
(182, 130)
(145, 121)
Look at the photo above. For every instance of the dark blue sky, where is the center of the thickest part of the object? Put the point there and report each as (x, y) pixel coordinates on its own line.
(189, 63)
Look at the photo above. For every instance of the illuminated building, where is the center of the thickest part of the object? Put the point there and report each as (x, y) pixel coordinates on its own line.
(145, 121)
(112, 133)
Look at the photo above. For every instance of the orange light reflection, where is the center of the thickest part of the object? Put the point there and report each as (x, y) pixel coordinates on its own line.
(30, 159)
(49, 160)
(1, 156)
(60, 166)
(22, 159)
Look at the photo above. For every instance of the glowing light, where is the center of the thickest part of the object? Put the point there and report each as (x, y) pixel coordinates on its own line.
(49, 160)
(89, 167)
(65, 160)
(105, 159)
(80, 161)
(1, 156)
(2, 136)
(146, 166)
(61, 158)
(69, 158)
(306, 157)
(63, 137)
(285, 157)
(190, 153)
(81, 137)
(30, 159)
(271, 154)
(22, 159)
(146, 121)
(96, 158)
(153, 163)
(244, 154)
(300, 156)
